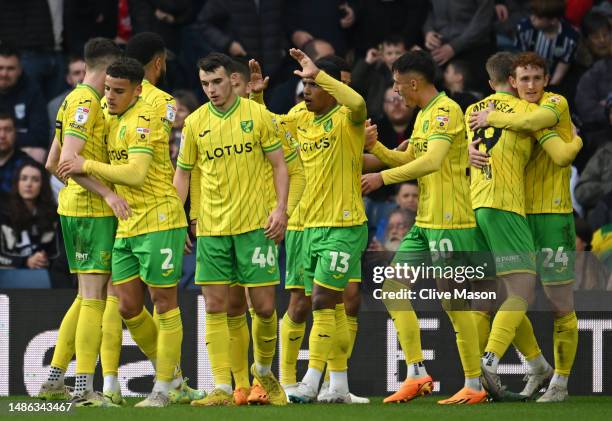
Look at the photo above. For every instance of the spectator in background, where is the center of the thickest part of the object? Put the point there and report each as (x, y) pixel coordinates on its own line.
(85, 19)
(397, 121)
(23, 97)
(324, 19)
(186, 103)
(11, 158)
(509, 13)
(592, 92)
(456, 78)
(398, 224)
(372, 75)
(597, 32)
(376, 20)
(28, 25)
(590, 274)
(462, 29)
(28, 235)
(74, 76)
(595, 186)
(247, 28)
(406, 197)
(548, 34)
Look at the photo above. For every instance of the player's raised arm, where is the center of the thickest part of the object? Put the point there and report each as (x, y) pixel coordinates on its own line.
(562, 153)
(257, 84)
(340, 91)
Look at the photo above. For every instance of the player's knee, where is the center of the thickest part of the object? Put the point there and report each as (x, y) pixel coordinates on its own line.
(129, 309)
(265, 311)
(352, 302)
(236, 309)
(298, 309)
(164, 303)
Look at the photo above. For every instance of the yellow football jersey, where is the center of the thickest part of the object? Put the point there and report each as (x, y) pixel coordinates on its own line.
(547, 186)
(155, 205)
(228, 149)
(444, 196)
(81, 116)
(501, 184)
(163, 103)
(331, 149)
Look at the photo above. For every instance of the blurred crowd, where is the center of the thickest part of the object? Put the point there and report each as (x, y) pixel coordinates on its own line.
(41, 43)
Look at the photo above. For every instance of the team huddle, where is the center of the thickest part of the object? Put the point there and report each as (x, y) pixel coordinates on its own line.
(496, 181)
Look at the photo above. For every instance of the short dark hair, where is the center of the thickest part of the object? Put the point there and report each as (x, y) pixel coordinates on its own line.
(213, 61)
(329, 67)
(500, 66)
(241, 66)
(7, 115)
(394, 39)
(593, 22)
(8, 49)
(548, 8)
(529, 58)
(145, 46)
(416, 61)
(100, 52)
(338, 61)
(410, 182)
(126, 68)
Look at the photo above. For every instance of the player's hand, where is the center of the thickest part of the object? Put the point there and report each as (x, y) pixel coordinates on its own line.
(119, 205)
(276, 226)
(257, 84)
(371, 182)
(478, 159)
(193, 226)
(71, 167)
(38, 260)
(371, 135)
(372, 56)
(349, 18)
(403, 146)
(236, 49)
(433, 40)
(478, 119)
(443, 54)
(309, 69)
(502, 12)
(188, 245)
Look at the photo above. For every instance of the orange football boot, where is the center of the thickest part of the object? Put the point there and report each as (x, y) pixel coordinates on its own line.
(258, 396)
(241, 396)
(410, 389)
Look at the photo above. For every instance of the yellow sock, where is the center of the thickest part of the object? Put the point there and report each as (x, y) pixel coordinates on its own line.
(565, 340)
(217, 344)
(503, 330)
(112, 337)
(169, 342)
(352, 331)
(408, 334)
(321, 337)
(264, 339)
(89, 335)
(337, 355)
(155, 318)
(292, 336)
(467, 343)
(143, 331)
(240, 339)
(64, 346)
(482, 319)
(525, 340)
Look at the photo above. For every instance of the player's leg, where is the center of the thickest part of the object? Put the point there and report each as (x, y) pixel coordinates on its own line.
(510, 240)
(240, 340)
(54, 388)
(293, 323)
(413, 251)
(110, 348)
(449, 247)
(336, 254)
(556, 241)
(257, 269)
(215, 272)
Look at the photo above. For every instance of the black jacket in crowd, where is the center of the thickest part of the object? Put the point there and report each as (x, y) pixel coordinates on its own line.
(27, 24)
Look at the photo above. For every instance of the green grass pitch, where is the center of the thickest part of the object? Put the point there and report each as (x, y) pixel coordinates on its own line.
(577, 408)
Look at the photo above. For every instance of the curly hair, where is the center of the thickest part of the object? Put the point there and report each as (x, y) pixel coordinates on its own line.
(529, 59)
(20, 216)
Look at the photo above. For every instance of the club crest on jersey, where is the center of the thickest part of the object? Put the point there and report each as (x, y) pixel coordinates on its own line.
(555, 100)
(425, 125)
(247, 126)
(329, 124)
(81, 115)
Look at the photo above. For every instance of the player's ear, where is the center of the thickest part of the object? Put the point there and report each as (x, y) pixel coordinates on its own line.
(491, 85)
(546, 79)
(234, 78)
(512, 81)
(138, 89)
